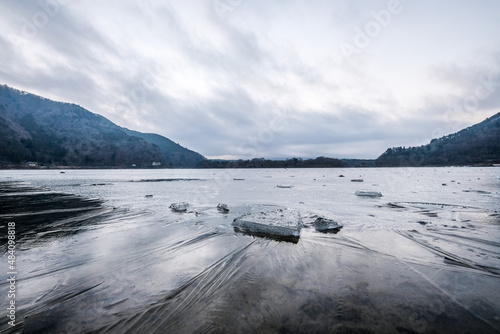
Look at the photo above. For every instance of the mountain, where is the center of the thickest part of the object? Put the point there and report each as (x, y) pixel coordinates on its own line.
(175, 154)
(475, 145)
(33, 128)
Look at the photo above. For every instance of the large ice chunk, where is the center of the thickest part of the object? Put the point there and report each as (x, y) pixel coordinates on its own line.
(279, 224)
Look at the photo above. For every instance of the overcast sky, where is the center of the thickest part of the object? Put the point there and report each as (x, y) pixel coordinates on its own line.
(263, 78)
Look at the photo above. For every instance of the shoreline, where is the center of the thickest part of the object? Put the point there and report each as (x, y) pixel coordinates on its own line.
(16, 167)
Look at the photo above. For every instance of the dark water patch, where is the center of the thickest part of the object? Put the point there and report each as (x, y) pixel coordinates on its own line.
(41, 216)
(167, 180)
(8, 187)
(19, 203)
(477, 191)
(35, 210)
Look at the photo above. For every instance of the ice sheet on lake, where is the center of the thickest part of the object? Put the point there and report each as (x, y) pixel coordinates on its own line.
(422, 259)
(279, 224)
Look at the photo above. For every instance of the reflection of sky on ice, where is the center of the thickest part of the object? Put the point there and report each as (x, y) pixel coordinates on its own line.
(424, 256)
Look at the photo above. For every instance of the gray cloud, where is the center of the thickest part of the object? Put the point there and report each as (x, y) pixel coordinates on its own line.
(267, 79)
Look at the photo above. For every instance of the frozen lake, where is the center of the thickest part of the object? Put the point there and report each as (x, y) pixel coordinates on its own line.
(101, 251)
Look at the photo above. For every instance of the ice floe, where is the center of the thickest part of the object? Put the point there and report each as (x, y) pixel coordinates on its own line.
(279, 224)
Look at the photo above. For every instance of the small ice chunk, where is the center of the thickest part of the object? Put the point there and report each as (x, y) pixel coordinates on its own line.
(179, 207)
(357, 180)
(222, 207)
(280, 224)
(326, 225)
(364, 193)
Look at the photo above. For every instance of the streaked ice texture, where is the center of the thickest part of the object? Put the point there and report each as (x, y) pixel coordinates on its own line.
(95, 255)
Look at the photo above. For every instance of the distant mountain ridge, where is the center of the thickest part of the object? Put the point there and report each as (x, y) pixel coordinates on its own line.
(33, 128)
(476, 145)
(319, 162)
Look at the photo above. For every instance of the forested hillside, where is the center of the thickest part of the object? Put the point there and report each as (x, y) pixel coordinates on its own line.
(478, 144)
(35, 129)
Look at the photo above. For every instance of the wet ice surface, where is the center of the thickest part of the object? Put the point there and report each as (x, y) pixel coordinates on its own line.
(96, 255)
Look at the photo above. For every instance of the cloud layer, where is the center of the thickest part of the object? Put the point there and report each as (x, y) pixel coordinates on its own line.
(260, 78)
